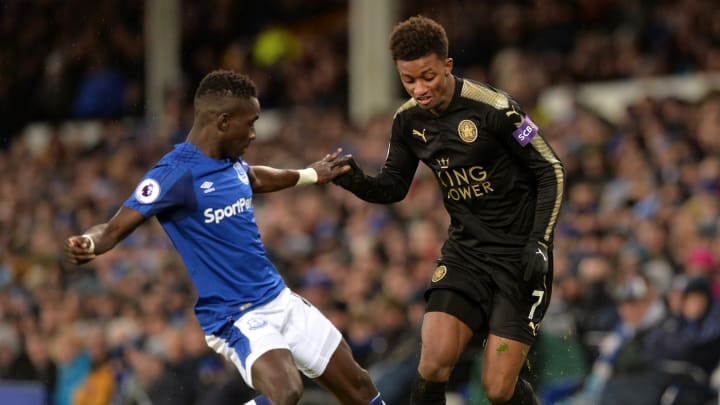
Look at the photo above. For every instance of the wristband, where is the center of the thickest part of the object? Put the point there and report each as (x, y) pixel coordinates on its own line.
(92, 242)
(307, 176)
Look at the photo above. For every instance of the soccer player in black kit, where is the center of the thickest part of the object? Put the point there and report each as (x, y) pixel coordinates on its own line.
(502, 185)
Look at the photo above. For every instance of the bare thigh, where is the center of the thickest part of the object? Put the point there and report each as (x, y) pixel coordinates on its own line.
(444, 338)
(345, 379)
(274, 374)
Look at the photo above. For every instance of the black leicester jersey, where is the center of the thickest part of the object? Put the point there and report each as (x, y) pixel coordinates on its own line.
(501, 182)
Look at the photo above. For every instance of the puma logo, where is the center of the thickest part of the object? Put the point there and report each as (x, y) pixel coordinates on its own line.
(540, 252)
(534, 327)
(419, 134)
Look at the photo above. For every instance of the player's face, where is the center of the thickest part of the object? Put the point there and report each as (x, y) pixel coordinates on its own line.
(239, 127)
(428, 80)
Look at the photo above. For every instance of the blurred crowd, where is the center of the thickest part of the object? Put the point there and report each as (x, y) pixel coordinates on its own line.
(637, 246)
(57, 64)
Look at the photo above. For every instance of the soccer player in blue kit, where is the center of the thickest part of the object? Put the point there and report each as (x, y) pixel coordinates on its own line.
(201, 193)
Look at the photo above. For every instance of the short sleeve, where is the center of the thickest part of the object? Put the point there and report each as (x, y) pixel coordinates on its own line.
(162, 189)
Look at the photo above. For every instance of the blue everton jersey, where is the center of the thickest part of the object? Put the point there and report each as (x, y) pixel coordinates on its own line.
(205, 206)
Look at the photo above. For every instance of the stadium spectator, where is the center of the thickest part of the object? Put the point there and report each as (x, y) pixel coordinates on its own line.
(73, 365)
(683, 348)
(620, 366)
(98, 387)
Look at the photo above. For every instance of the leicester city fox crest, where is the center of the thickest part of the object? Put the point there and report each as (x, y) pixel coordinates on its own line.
(439, 273)
(468, 131)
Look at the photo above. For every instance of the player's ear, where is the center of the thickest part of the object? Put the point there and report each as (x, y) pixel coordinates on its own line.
(223, 121)
(448, 66)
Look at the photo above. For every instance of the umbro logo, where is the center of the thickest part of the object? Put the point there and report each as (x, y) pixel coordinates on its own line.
(208, 187)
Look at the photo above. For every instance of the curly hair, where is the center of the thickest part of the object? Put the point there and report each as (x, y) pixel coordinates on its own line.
(226, 83)
(417, 37)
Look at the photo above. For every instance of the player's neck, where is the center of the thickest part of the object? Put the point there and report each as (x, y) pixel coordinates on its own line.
(204, 142)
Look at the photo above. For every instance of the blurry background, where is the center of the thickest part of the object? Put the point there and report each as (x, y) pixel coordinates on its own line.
(93, 93)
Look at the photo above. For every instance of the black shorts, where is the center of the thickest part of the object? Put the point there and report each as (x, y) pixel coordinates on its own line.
(487, 293)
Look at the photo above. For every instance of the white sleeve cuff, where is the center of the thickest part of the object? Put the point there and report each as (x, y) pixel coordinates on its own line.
(307, 176)
(91, 242)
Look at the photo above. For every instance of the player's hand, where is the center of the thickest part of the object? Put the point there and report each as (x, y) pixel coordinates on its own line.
(535, 260)
(331, 166)
(345, 180)
(79, 249)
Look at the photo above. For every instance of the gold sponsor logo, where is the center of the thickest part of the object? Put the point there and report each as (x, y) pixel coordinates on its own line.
(468, 131)
(464, 183)
(439, 273)
(419, 134)
(444, 163)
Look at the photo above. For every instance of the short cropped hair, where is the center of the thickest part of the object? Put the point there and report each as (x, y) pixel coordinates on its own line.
(226, 83)
(417, 37)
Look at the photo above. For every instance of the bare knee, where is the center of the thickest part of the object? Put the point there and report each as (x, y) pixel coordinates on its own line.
(443, 339)
(502, 362)
(282, 388)
(274, 374)
(498, 391)
(283, 391)
(433, 368)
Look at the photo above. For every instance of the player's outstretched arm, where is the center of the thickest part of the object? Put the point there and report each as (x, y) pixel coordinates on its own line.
(100, 238)
(266, 179)
(389, 186)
